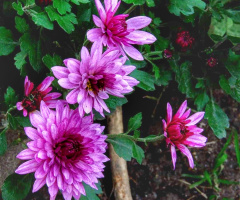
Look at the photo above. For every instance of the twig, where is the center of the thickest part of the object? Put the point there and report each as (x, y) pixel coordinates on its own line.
(118, 165)
(158, 100)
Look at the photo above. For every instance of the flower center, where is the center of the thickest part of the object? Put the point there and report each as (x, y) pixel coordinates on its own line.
(118, 25)
(183, 129)
(69, 148)
(32, 102)
(95, 85)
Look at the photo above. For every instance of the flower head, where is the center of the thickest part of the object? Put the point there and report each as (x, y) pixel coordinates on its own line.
(43, 2)
(167, 53)
(95, 77)
(211, 62)
(116, 31)
(180, 130)
(65, 151)
(33, 97)
(184, 40)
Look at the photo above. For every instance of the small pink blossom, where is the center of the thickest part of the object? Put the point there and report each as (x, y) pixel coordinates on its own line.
(65, 151)
(33, 97)
(116, 31)
(180, 130)
(212, 62)
(185, 40)
(92, 79)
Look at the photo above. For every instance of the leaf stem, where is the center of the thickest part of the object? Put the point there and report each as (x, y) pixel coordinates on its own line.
(153, 53)
(154, 139)
(11, 109)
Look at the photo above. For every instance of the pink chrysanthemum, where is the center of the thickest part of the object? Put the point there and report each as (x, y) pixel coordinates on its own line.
(65, 151)
(116, 31)
(33, 97)
(96, 76)
(185, 40)
(180, 130)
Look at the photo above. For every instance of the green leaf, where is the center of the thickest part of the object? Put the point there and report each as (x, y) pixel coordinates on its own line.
(227, 182)
(65, 22)
(41, 19)
(10, 97)
(3, 142)
(192, 176)
(208, 177)
(201, 100)
(136, 63)
(51, 61)
(20, 59)
(77, 2)
(146, 80)
(150, 3)
(21, 24)
(197, 183)
(136, 134)
(236, 145)
(135, 122)
(135, 2)
(220, 161)
(185, 7)
(156, 70)
(123, 147)
(16, 187)
(91, 193)
(62, 6)
(184, 79)
(112, 102)
(12, 121)
(217, 119)
(232, 64)
(23, 121)
(18, 7)
(165, 77)
(84, 13)
(138, 153)
(32, 47)
(7, 45)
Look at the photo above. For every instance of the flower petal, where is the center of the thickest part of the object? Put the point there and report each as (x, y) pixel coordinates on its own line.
(132, 52)
(138, 22)
(60, 72)
(169, 113)
(65, 83)
(195, 118)
(27, 167)
(181, 110)
(186, 152)
(174, 155)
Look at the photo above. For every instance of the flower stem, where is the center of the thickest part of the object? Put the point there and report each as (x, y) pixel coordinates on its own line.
(153, 53)
(11, 109)
(132, 8)
(145, 140)
(28, 7)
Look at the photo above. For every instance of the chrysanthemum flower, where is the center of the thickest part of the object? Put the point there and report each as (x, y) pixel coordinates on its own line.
(33, 97)
(180, 130)
(184, 40)
(94, 78)
(116, 31)
(167, 53)
(212, 62)
(65, 151)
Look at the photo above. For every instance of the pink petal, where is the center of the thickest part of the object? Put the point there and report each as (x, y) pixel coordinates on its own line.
(186, 152)
(196, 140)
(181, 110)
(72, 65)
(101, 10)
(169, 113)
(141, 37)
(186, 114)
(97, 21)
(88, 104)
(46, 83)
(26, 154)
(128, 69)
(60, 72)
(28, 86)
(195, 118)
(138, 22)
(45, 111)
(94, 34)
(74, 78)
(65, 83)
(72, 96)
(19, 105)
(31, 133)
(132, 52)
(174, 155)
(27, 167)
(36, 119)
(52, 95)
(38, 184)
(164, 124)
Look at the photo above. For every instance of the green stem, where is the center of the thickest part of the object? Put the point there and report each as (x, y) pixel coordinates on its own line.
(132, 8)
(220, 42)
(28, 7)
(153, 53)
(155, 139)
(11, 109)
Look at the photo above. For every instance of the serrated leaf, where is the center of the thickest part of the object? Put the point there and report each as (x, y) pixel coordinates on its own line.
(10, 97)
(201, 100)
(184, 79)
(165, 77)
(135, 122)
(41, 19)
(146, 80)
(3, 142)
(217, 119)
(7, 45)
(138, 153)
(50, 61)
(112, 102)
(20, 59)
(123, 147)
(21, 24)
(12, 121)
(236, 145)
(16, 187)
(91, 193)
(62, 6)
(185, 7)
(18, 8)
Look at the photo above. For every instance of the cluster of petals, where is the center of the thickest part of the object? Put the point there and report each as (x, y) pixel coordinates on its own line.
(33, 97)
(180, 130)
(184, 40)
(212, 62)
(94, 78)
(116, 31)
(65, 151)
